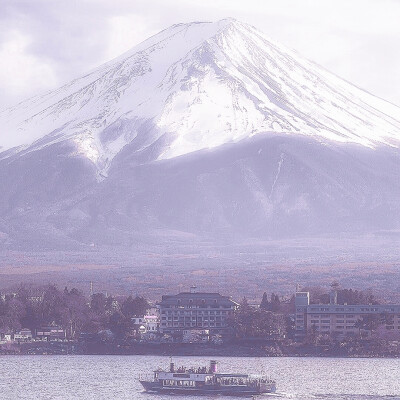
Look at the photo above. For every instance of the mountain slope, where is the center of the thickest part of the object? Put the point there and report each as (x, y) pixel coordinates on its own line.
(206, 129)
(268, 186)
(196, 86)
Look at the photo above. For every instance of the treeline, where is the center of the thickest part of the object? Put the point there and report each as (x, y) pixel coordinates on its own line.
(35, 307)
(271, 319)
(320, 295)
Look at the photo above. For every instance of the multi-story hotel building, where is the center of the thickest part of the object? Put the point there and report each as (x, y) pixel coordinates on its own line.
(339, 319)
(197, 311)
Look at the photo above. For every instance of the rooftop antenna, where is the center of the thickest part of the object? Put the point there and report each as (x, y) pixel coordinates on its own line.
(193, 289)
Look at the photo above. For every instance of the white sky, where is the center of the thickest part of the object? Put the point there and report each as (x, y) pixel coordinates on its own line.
(45, 43)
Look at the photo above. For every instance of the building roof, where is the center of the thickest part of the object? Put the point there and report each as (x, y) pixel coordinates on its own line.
(200, 298)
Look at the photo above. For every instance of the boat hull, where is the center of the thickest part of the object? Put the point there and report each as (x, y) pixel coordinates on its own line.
(243, 391)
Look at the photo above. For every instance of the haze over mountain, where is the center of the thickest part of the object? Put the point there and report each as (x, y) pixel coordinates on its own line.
(204, 130)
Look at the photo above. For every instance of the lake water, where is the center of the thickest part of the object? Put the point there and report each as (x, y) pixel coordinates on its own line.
(115, 377)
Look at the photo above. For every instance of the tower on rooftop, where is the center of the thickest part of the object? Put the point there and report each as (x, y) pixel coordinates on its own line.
(193, 289)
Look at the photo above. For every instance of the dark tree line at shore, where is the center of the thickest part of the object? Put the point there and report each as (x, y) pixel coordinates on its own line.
(265, 322)
(272, 318)
(35, 307)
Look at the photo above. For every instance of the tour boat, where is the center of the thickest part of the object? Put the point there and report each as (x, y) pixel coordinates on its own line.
(206, 381)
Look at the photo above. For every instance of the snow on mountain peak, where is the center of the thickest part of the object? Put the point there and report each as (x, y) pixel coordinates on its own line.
(195, 86)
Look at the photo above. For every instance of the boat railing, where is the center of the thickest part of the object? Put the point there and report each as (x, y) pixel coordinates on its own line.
(261, 378)
(192, 370)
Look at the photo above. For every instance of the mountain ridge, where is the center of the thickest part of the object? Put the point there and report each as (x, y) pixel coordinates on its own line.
(207, 129)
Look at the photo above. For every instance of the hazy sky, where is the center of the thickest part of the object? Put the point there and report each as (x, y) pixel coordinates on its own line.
(45, 43)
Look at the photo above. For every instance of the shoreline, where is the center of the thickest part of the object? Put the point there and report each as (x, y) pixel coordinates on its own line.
(194, 350)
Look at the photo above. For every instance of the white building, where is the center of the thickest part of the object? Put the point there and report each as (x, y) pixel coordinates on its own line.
(196, 310)
(340, 319)
(24, 335)
(51, 333)
(6, 338)
(147, 324)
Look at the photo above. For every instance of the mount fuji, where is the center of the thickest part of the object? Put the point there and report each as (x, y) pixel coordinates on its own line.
(204, 130)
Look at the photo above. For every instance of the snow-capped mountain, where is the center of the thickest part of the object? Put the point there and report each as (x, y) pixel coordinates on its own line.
(197, 86)
(204, 127)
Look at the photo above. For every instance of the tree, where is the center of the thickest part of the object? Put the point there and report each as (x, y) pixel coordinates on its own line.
(100, 310)
(51, 306)
(335, 285)
(351, 296)
(244, 304)
(371, 322)
(30, 319)
(264, 302)
(35, 306)
(134, 307)
(13, 311)
(75, 313)
(320, 295)
(102, 305)
(119, 325)
(257, 322)
(275, 305)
